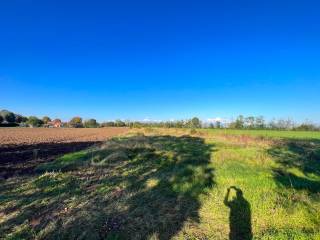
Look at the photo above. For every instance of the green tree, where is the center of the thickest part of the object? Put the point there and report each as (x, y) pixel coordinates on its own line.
(249, 122)
(194, 123)
(179, 124)
(239, 123)
(8, 116)
(1, 119)
(91, 123)
(76, 122)
(260, 123)
(306, 127)
(34, 121)
(120, 123)
(46, 119)
(137, 125)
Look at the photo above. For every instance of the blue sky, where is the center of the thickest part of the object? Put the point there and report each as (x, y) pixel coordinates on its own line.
(160, 59)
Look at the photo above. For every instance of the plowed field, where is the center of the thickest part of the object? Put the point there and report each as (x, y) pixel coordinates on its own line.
(21, 149)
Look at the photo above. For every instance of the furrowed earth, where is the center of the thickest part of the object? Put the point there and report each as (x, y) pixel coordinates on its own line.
(21, 149)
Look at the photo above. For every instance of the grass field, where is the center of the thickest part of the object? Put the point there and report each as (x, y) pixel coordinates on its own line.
(172, 184)
(267, 133)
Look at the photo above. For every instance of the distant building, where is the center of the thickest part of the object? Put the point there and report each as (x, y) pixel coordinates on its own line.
(55, 123)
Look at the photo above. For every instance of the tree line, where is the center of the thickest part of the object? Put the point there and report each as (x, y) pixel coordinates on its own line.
(259, 122)
(11, 119)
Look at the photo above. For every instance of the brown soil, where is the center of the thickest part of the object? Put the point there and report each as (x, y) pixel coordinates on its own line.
(21, 149)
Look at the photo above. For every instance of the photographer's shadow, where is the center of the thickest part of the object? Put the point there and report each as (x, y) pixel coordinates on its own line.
(240, 216)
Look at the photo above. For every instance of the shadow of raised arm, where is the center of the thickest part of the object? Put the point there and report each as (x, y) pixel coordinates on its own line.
(226, 198)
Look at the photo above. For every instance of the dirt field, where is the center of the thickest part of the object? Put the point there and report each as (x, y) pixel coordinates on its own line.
(30, 136)
(21, 149)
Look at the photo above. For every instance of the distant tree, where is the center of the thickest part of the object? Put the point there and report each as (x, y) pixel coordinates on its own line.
(260, 123)
(285, 124)
(20, 119)
(188, 124)
(180, 124)
(137, 125)
(91, 123)
(218, 124)
(167, 124)
(289, 124)
(120, 123)
(107, 124)
(249, 122)
(24, 119)
(272, 124)
(194, 123)
(129, 124)
(34, 121)
(76, 122)
(46, 119)
(307, 126)
(1, 119)
(17, 118)
(8, 116)
(281, 124)
(239, 123)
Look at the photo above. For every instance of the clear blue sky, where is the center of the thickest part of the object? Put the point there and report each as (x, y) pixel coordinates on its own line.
(160, 59)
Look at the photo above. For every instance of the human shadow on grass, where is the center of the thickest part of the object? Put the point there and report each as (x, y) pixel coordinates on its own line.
(137, 187)
(240, 215)
(298, 164)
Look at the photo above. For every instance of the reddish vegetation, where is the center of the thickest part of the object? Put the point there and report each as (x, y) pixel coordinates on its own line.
(21, 149)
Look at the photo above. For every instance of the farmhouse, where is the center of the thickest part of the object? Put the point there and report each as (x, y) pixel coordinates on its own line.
(55, 123)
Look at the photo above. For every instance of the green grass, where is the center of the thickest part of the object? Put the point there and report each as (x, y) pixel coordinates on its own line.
(167, 185)
(267, 133)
